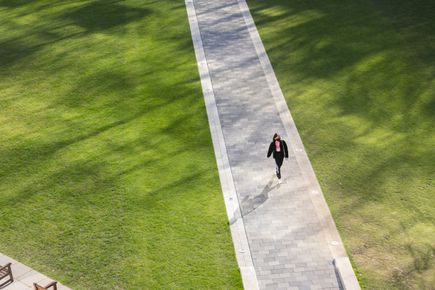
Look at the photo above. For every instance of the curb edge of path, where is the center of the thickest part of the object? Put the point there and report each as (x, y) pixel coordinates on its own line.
(341, 260)
(237, 227)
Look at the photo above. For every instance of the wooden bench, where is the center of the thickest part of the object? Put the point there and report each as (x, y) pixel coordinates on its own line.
(51, 285)
(6, 271)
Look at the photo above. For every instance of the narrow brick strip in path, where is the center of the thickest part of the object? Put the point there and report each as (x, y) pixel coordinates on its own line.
(283, 234)
(24, 276)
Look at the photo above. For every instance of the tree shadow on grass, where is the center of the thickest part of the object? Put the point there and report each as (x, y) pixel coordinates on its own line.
(422, 261)
(123, 139)
(86, 205)
(16, 49)
(92, 16)
(374, 80)
(332, 39)
(359, 80)
(415, 23)
(14, 3)
(100, 15)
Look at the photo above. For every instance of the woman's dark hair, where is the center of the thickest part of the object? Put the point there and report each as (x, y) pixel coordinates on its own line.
(275, 135)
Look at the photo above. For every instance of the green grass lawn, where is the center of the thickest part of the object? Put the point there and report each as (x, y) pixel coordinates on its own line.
(359, 79)
(107, 172)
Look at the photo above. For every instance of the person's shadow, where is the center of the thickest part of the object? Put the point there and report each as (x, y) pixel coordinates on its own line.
(249, 204)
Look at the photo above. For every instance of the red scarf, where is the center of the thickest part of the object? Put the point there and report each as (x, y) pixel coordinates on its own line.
(278, 146)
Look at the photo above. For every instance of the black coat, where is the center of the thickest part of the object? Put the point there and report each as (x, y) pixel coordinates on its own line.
(282, 154)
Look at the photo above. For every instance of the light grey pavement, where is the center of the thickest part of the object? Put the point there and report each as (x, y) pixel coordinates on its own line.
(24, 276)
(291, 238)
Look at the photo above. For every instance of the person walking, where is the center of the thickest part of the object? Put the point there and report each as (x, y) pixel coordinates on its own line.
(279, 149)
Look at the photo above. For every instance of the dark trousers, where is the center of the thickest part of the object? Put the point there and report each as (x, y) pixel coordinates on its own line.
(279, 160)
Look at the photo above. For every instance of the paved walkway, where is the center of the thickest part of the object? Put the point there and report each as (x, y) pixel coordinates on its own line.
(286, 238)
(24, 276)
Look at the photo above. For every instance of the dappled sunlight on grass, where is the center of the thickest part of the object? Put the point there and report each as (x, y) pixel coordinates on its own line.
(108, 177)
(359, 81)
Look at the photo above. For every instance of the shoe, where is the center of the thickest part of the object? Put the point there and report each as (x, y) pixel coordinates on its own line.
(278, 175)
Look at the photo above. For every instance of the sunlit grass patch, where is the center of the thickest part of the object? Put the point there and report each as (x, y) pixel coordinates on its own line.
(358, 77)
(107, 171)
